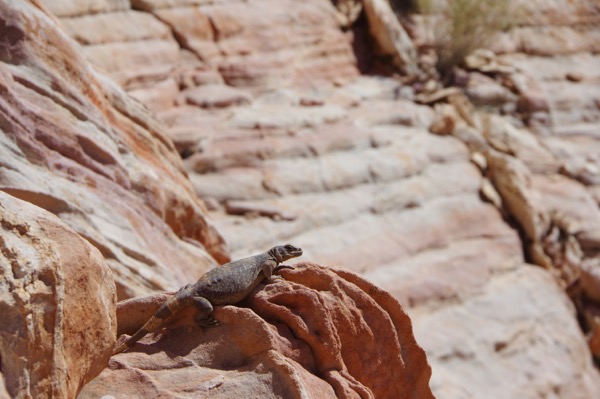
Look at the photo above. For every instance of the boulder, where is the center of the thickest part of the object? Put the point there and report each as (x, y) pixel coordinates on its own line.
(486, 92)
(323, 332)
(57, 304)
(390, 36)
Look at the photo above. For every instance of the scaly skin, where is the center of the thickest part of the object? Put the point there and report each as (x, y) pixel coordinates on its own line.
(225, 285)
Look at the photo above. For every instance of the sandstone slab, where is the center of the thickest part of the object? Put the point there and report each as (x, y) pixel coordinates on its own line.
(159, 96)
(239, 41)
(508, 338)
(68, 8)
(557, 12)
(194, 28)
(390, 36)
(131, 64)
(109, 27)
(555, 40)
(215, 96)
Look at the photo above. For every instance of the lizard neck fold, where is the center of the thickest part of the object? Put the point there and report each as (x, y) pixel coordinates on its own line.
(274, 255)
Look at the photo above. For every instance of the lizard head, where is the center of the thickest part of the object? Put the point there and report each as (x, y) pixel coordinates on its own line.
(284, 252)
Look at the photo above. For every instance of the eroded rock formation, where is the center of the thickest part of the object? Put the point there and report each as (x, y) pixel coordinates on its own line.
(322, 332)
(426, 194)
(75, 144)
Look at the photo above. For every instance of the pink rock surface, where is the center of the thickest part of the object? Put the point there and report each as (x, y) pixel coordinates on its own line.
(368, 185)
(320, 333)
(75, 144)
(254, 44)
(69, 8)
(215, 96)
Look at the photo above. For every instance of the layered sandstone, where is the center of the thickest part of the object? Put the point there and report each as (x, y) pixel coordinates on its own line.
(161, 50)
(76, 145)
(426, 196)
(351, 173)
(126, 221)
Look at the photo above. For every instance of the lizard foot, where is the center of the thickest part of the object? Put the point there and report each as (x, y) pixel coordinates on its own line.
(275, 278)
(284, 267)
(207, 321)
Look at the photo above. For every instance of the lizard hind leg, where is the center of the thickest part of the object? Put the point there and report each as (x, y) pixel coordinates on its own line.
(205, 308)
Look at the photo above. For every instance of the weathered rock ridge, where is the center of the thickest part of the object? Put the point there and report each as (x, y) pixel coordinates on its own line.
(319, 322)
(76, 145)
(432, 196)
(125, 222)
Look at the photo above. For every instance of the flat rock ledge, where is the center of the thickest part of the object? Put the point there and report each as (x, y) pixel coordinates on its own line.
(322, 332)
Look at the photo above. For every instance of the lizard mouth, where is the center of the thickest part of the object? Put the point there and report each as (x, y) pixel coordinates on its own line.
(291, 251)
(297, 252)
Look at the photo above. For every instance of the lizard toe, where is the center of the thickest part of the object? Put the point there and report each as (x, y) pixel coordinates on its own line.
(207, 322)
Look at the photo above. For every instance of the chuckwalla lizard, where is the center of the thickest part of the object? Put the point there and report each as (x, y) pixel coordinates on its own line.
(224, 285)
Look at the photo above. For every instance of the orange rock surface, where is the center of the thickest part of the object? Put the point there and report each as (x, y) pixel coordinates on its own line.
(57, 304)
(323, 332)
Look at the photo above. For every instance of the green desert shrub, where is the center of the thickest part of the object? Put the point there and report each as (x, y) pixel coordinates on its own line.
(462, 26)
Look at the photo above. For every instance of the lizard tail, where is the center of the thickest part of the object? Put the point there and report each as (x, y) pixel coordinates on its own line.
(178, 301)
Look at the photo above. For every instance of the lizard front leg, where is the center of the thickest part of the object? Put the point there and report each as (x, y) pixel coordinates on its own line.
(268, 269)
(205, 308)
(282, 266)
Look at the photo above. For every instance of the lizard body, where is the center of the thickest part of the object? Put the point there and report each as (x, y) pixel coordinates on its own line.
(224, 285)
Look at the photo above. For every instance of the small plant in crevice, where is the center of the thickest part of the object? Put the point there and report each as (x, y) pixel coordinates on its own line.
(461, 26)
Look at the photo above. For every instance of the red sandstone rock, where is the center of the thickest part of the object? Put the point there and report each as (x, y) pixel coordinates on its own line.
(57, 301)
(321, 333)
(359, 335)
